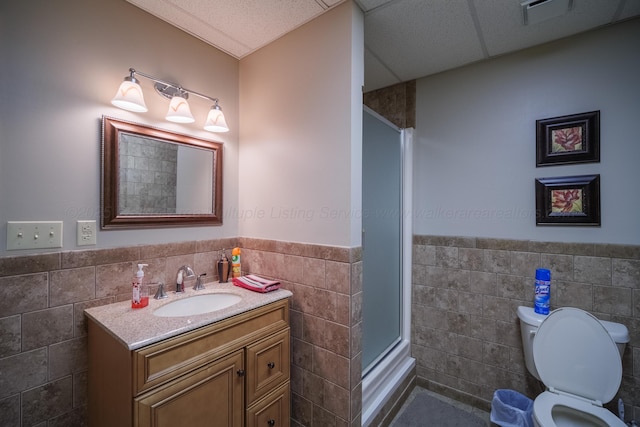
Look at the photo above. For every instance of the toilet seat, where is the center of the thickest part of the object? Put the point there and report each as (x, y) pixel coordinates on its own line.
(580, 365)
(544, 404)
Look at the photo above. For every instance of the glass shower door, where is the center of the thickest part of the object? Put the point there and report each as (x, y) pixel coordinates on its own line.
(381, 238)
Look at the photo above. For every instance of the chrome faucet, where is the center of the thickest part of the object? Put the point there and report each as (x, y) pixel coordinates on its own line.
(184, 272)
(199, 285)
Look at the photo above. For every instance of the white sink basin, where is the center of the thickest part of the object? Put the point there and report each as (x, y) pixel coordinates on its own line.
(197, 304)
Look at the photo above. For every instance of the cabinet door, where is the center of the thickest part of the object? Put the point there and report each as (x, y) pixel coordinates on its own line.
(211, 396)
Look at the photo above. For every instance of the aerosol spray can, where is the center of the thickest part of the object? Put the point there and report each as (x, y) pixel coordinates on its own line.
(543, 291)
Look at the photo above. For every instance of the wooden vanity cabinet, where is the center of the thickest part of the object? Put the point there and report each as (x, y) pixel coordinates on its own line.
(231, 373)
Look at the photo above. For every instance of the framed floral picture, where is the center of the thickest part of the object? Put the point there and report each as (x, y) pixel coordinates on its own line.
(569, 200)
(568, 139)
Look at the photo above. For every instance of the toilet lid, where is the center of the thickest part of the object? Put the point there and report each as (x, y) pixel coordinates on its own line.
(574, 353)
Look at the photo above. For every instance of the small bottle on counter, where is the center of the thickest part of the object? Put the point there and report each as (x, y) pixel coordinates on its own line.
(223, 268)
(236, 270)
(140, 296)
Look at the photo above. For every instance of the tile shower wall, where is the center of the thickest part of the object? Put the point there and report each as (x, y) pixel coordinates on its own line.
(466, 336)
(43, 349)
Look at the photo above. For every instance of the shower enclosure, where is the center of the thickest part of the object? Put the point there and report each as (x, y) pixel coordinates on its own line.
(386, 259)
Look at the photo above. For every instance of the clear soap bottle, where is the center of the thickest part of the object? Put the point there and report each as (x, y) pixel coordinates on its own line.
(140, 296)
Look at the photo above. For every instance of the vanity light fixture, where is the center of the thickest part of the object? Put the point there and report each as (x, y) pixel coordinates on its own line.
(129, 97)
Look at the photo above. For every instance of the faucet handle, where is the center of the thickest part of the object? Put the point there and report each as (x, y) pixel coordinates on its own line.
(199, 286)
(160, 293)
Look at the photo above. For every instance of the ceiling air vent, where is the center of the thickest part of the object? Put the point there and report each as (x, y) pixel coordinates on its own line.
(535, 11)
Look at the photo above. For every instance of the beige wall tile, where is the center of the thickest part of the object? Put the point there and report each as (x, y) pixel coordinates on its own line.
(497, 261)
(10, 411)
(573, 294)
(626, 273)
(69, 286)
(67, 357)
(22, 371)
(616, 301)
(561, 266)
(114, 279)
(514, 287)
(592, 270)
(525, 263)
(314, 272)
(20, 294)
(338, 277)
(447, 257)
(424, 255)
(488, 351)
(10, 338)
(471, 259)
(29, 264)
(48, 401)
(45, 327)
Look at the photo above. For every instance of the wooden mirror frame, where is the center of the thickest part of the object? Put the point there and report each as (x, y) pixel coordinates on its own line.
(109, 204)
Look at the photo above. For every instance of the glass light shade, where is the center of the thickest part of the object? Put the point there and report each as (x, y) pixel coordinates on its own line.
(129, 97)
(215, 121)
(179, 111)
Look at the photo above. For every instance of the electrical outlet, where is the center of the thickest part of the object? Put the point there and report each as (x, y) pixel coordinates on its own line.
(34, 235)
(86, 232)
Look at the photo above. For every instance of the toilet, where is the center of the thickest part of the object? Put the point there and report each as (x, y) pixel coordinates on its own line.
(579, 360)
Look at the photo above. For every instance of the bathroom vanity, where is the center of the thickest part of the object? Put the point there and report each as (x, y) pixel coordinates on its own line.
(226, 368)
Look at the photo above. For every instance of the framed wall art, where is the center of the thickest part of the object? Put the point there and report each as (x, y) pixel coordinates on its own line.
(568, 139)
(569, 200)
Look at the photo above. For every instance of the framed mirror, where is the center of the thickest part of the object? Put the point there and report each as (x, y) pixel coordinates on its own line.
(157, 178)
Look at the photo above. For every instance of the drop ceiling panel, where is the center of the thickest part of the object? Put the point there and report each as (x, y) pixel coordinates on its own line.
(239, 27)
(377, 75)
(367, 5)
(414, 38)
(404, 39)
(502, 26)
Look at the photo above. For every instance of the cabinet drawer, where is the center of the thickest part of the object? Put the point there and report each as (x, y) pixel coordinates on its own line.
(159, 363)
(267, 365)
(272, 411)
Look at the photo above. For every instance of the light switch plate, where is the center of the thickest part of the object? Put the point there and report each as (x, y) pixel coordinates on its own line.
(86, 232)
(34, 235)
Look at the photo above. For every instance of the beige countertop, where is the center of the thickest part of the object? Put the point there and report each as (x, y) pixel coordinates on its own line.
(138, 327)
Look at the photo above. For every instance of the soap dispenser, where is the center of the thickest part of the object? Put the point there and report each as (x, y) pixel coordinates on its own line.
(140, 296)
(223, 268)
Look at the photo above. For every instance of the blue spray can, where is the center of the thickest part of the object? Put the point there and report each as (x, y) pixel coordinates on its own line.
(543, 291)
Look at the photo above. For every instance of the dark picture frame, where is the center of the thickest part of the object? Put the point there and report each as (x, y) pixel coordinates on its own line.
(568, 139)
(569, 200)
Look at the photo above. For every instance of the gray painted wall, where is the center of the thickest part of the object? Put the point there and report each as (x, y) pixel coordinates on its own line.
(475, 145)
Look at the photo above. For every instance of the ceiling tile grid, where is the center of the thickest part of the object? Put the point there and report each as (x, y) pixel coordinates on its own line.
(404, 39)
(503, 29)
(239, 26)
(414, 38)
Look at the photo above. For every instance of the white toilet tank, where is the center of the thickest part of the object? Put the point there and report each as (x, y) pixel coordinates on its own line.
(530, 321)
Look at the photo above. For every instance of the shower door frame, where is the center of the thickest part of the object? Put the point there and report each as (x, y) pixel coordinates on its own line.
(380, 382)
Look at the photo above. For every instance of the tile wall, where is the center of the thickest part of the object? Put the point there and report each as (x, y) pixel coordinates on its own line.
(466, 336)
(326, 321)
(465, 331)
(43, 354)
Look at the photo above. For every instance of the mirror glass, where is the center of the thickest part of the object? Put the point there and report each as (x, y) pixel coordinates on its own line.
(153, 177)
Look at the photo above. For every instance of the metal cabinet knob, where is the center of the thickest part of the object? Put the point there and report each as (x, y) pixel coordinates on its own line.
(271, 365)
